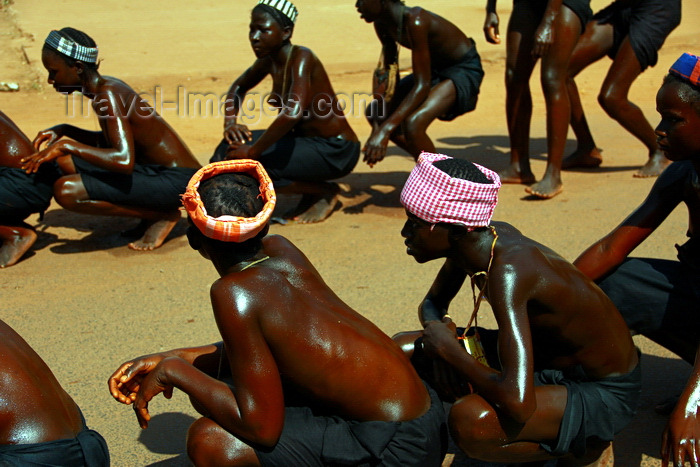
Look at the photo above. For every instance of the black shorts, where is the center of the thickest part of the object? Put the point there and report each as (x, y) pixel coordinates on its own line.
(582, 8)
(312, 440)
(646, 22)
(466, 76)
(149, 186)
(22, 194)
(303, 159)
(595, 409)
(658, 298)
(88, 449)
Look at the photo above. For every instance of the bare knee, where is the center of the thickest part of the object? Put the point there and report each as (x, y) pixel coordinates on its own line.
(210, 445)
(470, 422)
(69, 191)
(554, 82)
(611, 101)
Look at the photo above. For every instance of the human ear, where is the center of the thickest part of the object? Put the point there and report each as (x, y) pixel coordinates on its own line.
(193, 238)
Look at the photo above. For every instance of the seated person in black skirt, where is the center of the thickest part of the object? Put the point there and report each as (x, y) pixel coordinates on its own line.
(135, 166)
(660, 298)
(310, 142)
(21, 194)
(289, 385)
(40, 423)
(565, 377)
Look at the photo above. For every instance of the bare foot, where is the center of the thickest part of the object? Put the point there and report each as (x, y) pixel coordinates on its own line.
(155, 234)
(545, 189)
(654, 166)
(319, 210)
(583, 158)
(512, 175)
(17, 241)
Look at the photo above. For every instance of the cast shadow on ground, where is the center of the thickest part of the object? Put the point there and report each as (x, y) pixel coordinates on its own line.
(662, 378)
(105, 232)
(492, 151)
(167, 434)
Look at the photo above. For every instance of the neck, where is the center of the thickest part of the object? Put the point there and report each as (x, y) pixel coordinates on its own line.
(473, 250)
(90, 83)
(235, 261)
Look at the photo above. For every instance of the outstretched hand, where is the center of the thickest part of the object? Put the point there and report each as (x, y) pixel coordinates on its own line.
(138, 381)
(682, 435)
(375, 148)
(31, 164)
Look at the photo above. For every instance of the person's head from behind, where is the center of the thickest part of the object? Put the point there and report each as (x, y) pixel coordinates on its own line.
(678, 103)
(69, 55)
(445, 198)
(229, 204)
(271, 26)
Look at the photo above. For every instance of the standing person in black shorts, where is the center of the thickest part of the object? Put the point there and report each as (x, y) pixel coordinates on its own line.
(546, 29)
(310, 142)
(443, 85)
(135, 166)
(630, 32)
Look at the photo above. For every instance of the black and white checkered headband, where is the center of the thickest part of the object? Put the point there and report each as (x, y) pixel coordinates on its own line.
(283, 6)
(70, 48)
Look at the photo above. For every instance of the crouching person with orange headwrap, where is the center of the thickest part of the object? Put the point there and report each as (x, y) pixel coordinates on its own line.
(288, 383)
(561, 374)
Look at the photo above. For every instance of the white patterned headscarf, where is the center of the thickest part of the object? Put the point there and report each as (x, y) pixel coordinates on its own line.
(70, 48)
(285, 7)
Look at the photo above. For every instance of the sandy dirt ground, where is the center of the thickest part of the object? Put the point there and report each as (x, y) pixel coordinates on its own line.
(87, 303)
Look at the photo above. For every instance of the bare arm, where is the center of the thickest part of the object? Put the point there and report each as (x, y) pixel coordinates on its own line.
(445, 287)
(417, 30)
(53, 134)
(608, 252)
(117, 155)
(234, 132)
(680, 439)
(512, 389)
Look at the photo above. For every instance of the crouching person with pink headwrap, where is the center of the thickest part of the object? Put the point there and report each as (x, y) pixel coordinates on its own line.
(560, 376)
(288, 384)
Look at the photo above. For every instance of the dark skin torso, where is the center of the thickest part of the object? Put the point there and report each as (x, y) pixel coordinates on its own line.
(33, 406)
(541, 298)
(436, 42)
(287, 337)
(301, 90)
(302, 320)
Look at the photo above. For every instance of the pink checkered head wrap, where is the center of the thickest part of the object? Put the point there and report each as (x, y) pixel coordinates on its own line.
(229, 228)
(434, 196)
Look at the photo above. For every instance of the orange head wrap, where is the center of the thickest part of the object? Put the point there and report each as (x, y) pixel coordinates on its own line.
(229, 228)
